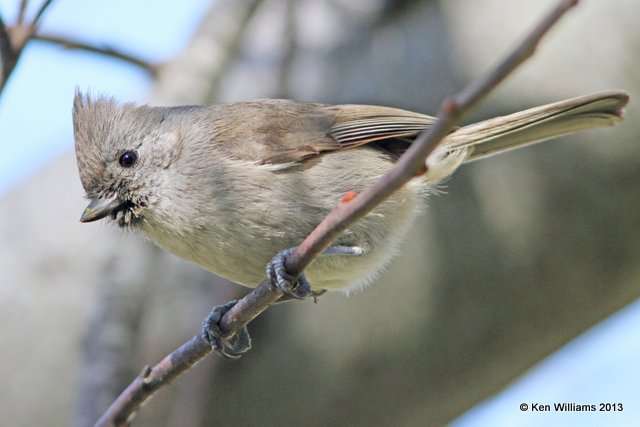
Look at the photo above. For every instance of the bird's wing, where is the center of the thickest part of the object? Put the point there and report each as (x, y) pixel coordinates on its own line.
(287, 132)
(361, 124)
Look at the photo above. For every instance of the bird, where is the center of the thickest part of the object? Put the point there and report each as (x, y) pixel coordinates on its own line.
(232, 187)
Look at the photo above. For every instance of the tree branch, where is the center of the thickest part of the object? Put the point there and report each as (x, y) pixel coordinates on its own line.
(14, 39)
(8, 55)
(21, 34)
(107, 51)
(36, 19)
(345, 213)
(22, 11)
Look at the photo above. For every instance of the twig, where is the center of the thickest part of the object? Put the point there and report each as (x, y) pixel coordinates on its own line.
(39, 13)
(23, 33)
(22, 12)
(150, 380)
(14, 39)
(344, 214)
(408, 165)
(107, 51)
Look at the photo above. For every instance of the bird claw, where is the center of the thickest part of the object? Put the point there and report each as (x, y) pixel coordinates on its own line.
(230, 347)
(291, 286)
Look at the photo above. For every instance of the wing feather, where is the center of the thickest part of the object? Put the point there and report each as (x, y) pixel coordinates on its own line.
(287, 132)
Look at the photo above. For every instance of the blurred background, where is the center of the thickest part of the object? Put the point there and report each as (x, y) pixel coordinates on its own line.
(517, 286)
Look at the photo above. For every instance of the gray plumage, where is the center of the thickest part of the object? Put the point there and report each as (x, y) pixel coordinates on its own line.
(228, 186)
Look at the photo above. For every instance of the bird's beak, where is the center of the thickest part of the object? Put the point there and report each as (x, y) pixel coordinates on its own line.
(100, 208)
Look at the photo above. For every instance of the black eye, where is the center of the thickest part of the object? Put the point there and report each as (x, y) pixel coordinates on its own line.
(128, 158)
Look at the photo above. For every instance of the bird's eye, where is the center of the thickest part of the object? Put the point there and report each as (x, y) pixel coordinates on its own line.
(128, 158)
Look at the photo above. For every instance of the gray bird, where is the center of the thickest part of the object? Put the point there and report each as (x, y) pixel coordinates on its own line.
(230, 186)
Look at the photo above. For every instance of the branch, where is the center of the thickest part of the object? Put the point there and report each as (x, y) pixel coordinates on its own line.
(107, 51)
(8, 55)
(23, 33)
(22, 12)
(349, 210)
(36, 19)
(14, 39)
(413, 161)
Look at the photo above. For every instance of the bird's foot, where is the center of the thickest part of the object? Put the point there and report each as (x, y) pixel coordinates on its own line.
(291, 286)
(227, 347)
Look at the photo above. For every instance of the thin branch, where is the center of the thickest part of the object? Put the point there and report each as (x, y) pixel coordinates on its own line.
(412, 162)
(22, 12)
(150, 380)
(14, 39)
(33, 27)
(345, 213)
(107, 51)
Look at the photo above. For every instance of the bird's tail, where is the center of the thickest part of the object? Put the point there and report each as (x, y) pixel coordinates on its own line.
(537, 124)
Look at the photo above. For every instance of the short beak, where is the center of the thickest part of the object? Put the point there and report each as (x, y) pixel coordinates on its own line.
(100, 208)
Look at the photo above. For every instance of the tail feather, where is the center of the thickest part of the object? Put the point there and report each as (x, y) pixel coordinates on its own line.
(538, 124)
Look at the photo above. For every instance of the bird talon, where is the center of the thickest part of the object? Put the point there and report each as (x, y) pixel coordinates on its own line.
(291, 286)
(227, 347)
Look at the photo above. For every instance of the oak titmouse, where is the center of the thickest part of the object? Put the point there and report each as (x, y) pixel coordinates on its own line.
(229, 186)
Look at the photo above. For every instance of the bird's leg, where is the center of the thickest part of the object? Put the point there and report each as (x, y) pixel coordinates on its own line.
(231, 347)
(292, 288)
(344, 250)
(299, 287)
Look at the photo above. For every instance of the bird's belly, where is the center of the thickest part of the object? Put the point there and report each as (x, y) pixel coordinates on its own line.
(241, 254)
(236, 234)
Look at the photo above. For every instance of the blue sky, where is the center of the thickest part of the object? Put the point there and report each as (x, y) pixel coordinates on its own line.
(35, 123)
